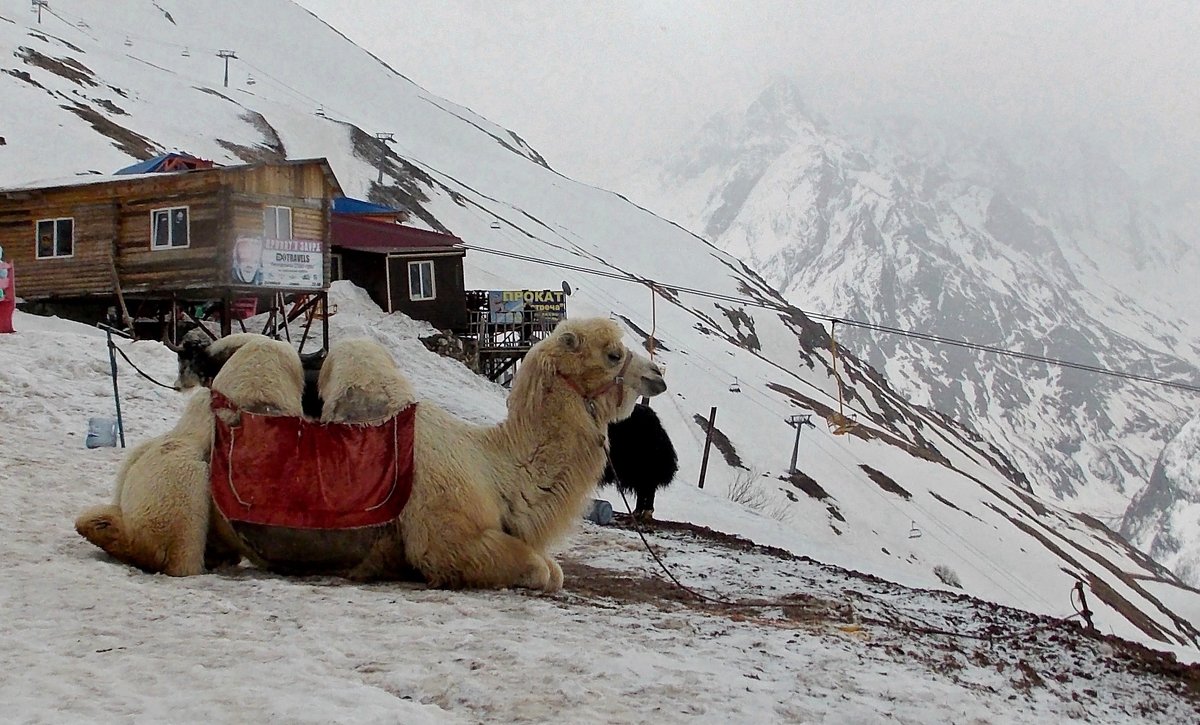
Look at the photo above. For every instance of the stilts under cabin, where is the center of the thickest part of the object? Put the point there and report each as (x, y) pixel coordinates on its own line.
(176, 239)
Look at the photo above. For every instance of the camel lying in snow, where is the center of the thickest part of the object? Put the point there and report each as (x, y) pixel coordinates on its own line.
(487, 501)
(160, 516)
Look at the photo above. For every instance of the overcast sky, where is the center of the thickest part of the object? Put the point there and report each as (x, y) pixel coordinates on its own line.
(590, 83)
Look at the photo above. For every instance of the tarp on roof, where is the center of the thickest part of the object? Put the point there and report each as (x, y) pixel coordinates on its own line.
(370, 235)
(346, 205)
(166, 162)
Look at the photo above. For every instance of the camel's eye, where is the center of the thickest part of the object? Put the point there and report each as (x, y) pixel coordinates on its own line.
(615, 357)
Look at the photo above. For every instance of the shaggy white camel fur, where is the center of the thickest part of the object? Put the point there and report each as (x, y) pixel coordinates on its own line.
(161, 512)
(360, 383)
(158, 520)
(488, 502)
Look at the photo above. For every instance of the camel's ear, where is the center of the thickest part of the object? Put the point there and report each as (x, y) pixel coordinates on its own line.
(570, 341)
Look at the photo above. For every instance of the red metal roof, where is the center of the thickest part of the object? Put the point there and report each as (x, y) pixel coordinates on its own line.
(354, 231)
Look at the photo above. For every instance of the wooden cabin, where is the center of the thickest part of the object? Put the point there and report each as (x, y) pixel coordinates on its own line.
(179, 237)
(403, 269)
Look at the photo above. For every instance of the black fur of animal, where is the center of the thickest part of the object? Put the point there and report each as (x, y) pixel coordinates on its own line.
(200, 359)
(642, 459)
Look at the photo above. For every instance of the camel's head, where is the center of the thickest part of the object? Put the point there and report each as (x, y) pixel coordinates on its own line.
(587, 356)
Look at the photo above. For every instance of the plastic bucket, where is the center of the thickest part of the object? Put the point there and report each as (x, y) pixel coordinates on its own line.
(102, 432)
(601, 512)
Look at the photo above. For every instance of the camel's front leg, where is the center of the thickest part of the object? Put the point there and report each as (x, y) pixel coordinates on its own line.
(556, 574)
(459, 554)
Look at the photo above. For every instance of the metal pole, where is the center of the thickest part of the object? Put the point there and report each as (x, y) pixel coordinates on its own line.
(227, 54)
(112, 364)
(712, 419)
(798, 422)
(1086, 613)
(795, 450)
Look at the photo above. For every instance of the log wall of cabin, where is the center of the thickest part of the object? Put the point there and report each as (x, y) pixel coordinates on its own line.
(304, 188)
(87, 272)
(144, 268)
(112, 228)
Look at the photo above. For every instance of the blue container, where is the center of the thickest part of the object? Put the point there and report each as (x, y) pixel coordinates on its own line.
(600, 513)
(102, 433)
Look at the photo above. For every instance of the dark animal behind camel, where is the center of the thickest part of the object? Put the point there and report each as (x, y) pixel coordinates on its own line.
(201, 358)
(641, 458)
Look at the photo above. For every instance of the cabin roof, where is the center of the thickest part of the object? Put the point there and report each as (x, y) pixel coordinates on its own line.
(363, 234)
(166, 162)
(97, 179)
(346, 205)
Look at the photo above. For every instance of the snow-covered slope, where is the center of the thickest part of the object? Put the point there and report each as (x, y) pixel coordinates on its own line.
(85, 639)
(859, 497)
(1164, 518)
(1054, 254)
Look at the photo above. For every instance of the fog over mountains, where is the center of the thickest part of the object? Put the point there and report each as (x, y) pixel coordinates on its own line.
(1042, 249)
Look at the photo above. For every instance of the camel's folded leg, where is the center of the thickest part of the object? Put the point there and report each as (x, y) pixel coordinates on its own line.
(175, 555)
(489, 558)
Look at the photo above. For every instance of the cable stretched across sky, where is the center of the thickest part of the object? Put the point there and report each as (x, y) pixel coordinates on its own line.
(912, 334)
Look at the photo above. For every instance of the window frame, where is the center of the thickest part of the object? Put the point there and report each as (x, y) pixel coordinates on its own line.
(170, 229)
(291, 221)
(37, 250)
(432, 281)
(335, 264)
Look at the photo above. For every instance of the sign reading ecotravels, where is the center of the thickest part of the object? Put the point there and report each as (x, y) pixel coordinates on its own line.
(282, 263)
(508, 307)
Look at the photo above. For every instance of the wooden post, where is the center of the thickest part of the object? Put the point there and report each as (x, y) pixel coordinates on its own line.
(226, 317)
(325, 321)
(1086, 613)
(712, 419)
(116, 280)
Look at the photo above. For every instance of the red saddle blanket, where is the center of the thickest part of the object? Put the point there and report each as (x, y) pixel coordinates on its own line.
(288, 471)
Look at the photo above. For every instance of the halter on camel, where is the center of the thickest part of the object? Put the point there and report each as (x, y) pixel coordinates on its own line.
(618, 382)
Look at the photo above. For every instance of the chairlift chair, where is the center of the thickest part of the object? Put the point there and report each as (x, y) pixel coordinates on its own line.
(839, 423)
(734, 387)
(185, 53)
(128, 42)
(495, 225)
(913, 531)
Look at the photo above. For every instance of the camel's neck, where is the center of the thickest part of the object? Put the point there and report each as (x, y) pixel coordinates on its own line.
(554, 454)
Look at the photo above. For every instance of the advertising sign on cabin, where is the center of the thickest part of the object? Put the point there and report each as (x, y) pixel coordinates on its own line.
(509, 307)
(278, 263)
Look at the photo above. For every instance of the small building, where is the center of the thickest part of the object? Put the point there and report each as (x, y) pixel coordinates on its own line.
(403, 269)
(184, 234)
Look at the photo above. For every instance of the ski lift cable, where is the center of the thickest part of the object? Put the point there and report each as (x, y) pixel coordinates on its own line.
(914, 334)
(780, 306)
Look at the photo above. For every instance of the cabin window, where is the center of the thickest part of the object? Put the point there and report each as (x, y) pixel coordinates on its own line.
(335, 267)
(55, 238)
(420, 280)
(169, 228)
(277, 222)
